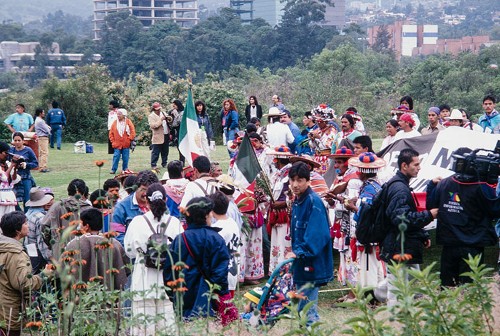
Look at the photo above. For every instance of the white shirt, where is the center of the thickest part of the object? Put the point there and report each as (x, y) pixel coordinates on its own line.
(193, 190)
(137, 236)
(231, 234)
(406, 135)
(278, 134)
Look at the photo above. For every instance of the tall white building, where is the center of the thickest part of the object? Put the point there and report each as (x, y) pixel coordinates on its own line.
(183, 12)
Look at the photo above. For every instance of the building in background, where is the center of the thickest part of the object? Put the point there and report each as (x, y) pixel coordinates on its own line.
(20, 57)
(272, 11)
(183, 12)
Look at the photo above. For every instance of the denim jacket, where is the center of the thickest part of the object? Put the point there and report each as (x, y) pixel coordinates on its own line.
(311, 240)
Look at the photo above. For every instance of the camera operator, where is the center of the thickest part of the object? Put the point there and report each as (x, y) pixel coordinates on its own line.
(467, 206)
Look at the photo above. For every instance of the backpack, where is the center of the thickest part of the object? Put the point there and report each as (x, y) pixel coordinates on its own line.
(373, 225)
(157, 246)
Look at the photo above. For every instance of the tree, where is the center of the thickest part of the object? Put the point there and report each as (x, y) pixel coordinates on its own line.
(382, 41)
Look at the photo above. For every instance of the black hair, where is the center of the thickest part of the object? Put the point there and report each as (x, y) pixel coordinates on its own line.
(55, 104)
(129, 184)
(146, 178)
(273, 119)
(254, 120)
(444, 107)
(221, 203)
(407, 99)
(157, 206)
(202, 164)
(283, 161)
(93, 198)
(406, 156)
(227, 190)
(255, 136)
(255, 100)
(250, 128)
(19, 134)
(364, 141)
(288, 113)
(467, 114)
(301, 170)
(349, 118)
(489, 97)
(38, 111)
(179, 105)
(114, 103)
(174, 169)
(351, 109)
(93, 218)
(76, 185)
(22, 105)
(110, 183)
(4, 147)
(200, 102)
(197, 210)
(393, 122)
(12, 222)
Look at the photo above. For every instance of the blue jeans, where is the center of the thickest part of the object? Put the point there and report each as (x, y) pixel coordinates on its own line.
(56, 135)
(312, 295)
(125, 153)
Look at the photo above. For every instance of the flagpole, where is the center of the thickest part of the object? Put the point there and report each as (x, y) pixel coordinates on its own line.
(264, 176)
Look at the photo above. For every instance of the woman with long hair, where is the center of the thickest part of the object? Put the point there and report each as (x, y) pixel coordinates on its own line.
(253, 109)
(22, 188)
(204, 120)
(150, 298)
(229, 120)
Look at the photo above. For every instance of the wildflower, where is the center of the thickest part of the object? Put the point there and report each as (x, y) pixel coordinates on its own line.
(97, 278)
(171, 283)
(75, 222)
(179, 266)
(113, 271)
(402, 257)
(67, 215)
(34, 325)
(68, 260)
(295, 297)
(180, 289)
(110, 234)
(70, 253)
(78, 233)
(103, 245)
(51, 267)
(79, 286)
(99, 163)
(79, 262)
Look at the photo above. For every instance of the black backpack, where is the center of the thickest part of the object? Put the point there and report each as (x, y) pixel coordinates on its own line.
(373, 225)
(157, 246)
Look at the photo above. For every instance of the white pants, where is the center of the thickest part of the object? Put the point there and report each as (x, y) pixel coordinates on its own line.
(160, 317)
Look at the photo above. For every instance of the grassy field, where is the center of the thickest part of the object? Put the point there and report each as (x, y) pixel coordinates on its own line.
(66, 165)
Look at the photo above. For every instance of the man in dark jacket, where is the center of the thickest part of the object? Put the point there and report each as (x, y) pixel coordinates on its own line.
(311, 242)
(401, 204)
(464, 224)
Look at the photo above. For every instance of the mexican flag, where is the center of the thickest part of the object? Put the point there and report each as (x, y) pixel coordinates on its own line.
(246, 166)
(189, 132)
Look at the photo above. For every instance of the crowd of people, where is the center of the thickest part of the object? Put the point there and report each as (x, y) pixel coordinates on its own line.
(294, 212)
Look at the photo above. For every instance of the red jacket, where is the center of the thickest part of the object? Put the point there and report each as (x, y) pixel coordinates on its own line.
(121, 142)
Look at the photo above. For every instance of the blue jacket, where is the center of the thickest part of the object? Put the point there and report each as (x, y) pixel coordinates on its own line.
(56, 116)
(212, 257)
(231, 119)
(204, 120)
(123, 214)
(31, 161)
(311, 241)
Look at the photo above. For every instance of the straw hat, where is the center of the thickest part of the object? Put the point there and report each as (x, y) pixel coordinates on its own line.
(274, 112)
(307, 159)
(367, 163)
(123, 175)
(342, 153)
(281, 152)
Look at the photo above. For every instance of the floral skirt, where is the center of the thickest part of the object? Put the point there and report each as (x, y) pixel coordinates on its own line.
(281, 244)
(251, 257)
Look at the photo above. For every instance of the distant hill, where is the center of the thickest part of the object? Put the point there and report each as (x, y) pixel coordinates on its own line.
(31, 10)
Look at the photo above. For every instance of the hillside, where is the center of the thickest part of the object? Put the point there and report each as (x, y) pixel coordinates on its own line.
(30, 10)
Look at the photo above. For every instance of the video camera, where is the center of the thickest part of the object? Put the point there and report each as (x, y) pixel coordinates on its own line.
(473, 167)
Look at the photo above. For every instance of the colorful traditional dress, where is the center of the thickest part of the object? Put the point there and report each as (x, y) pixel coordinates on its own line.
(322, 147)
(279, 219)
(8, 199)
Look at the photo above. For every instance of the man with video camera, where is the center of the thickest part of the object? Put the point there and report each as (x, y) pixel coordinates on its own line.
(467, 205)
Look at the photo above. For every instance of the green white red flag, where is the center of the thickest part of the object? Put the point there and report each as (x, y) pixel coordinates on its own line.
(189, 132)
